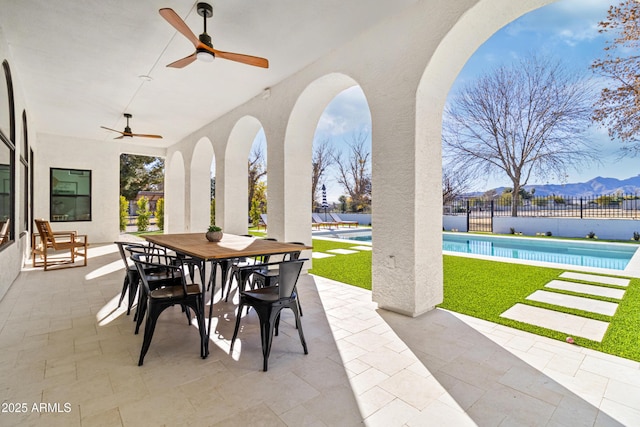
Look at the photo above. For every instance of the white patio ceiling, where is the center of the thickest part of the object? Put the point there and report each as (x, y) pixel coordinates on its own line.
(79, 62)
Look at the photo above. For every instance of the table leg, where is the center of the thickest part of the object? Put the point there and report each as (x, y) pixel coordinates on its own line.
(203, 275)
(214, 271)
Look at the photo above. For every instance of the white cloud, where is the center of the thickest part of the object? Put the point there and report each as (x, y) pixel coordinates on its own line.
(570, 21)
(347, 112)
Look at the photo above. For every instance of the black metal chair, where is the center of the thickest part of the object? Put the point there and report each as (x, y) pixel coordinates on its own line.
(131, 278)
(174, 290)
(156, 275)
(269, 276)
(268, 303)
(242, 270)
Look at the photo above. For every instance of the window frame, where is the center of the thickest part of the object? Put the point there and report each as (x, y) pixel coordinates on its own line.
(64, 194)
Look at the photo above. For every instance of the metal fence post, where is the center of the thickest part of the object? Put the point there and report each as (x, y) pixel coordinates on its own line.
(580, 207)
(468, 214)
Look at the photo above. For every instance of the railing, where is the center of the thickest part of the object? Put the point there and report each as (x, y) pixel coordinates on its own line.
(603, 206)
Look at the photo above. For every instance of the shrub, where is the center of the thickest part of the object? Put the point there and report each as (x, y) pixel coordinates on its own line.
(143, 214)
(512, 230)
(636, 235)
(548, 233)
(592, 235)
(124, 213)
(159, 213)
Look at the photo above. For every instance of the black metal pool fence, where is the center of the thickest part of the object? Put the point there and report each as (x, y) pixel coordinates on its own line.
(603, 206)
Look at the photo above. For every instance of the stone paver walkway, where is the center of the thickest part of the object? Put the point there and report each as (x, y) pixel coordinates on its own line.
(588, 301)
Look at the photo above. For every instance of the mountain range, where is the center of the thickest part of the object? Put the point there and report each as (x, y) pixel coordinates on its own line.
(594, 187)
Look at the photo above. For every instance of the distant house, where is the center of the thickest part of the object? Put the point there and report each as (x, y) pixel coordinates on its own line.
(152, 196)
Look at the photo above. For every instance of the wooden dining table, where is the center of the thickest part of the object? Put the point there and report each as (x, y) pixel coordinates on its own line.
(197, 247)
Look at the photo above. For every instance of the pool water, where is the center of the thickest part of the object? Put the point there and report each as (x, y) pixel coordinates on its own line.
(615, 256)
(587, 254)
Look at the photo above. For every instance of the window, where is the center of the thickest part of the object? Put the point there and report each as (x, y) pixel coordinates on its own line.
(24, 164)
(7, 162)
(70, 195)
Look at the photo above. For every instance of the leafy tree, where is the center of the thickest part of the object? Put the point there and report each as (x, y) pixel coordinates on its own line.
(343, 203)
(212, 212)
(354, 173)
(159, 213)
(322, 159)
(140, 173)
(143, 214)
(257, 170)
(527, 119)
(618, 107)
(259, 203)
(124, 213)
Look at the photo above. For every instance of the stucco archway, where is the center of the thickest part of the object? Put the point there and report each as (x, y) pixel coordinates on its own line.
(200, 185)
(290, 163)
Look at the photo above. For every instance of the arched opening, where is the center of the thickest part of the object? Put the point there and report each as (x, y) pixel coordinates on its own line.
(341, 157)
(290, 179)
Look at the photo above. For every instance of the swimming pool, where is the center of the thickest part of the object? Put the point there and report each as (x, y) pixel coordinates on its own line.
(613, 256)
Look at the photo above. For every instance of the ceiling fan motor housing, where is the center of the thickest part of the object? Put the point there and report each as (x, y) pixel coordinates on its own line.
(205, 39)
(205, 10)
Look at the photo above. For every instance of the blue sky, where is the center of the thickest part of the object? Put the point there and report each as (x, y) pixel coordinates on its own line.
(566, 29)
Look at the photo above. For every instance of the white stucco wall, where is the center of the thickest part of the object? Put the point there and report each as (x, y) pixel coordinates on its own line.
(604, 228)
(102, 158)
(13, 254)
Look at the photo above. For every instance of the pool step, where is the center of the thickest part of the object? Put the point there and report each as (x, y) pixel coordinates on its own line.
(572, 325)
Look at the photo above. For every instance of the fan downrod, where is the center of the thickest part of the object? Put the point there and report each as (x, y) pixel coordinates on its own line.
(205, 10)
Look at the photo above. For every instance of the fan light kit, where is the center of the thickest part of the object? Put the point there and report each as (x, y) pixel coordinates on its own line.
(127, 131)
(204, 48)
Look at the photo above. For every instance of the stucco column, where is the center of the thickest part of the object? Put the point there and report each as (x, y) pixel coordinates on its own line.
(406, 212)
(289, 185)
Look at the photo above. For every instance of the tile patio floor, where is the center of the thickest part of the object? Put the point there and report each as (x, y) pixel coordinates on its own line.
(61, 341)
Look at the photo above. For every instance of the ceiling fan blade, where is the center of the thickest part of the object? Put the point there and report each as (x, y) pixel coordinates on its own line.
(113, 130)
(176, 22)
(145, 135)
(183, 62)
(245, 59)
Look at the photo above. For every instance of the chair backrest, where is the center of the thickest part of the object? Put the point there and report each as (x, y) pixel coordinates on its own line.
(153, 253)
(4, 231)
(263, 217)
(123, 245)
(316, 218)
(289, 273)
(334, 216)
(295, 255)
(45, 232)
(144, 263)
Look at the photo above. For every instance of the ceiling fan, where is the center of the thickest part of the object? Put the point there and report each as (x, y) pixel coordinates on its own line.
(127, 131)
(204, 48)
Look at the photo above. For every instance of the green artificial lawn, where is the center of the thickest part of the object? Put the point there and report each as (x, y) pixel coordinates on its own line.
(485, 289)
(354, 269)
